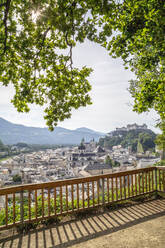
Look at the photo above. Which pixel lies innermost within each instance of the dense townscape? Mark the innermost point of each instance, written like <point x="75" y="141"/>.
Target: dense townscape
<point x="89" y="158"/>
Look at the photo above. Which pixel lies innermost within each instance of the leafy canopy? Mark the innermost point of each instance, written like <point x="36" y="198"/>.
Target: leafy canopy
<point x="37" y="38"/>
<point x="17" y="178"/>
<point x="160" y="140"/>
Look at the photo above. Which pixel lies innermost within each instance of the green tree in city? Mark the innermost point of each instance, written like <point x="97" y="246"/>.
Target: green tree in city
<point x="4" y="148"/>
<point x="139" y="147"/>
<point x="108" y="160"/>
<point x="147" y="141"/>
<point x="17" y="178"/>
<point x="1" y="146"/>
<point x="111" y="162"/>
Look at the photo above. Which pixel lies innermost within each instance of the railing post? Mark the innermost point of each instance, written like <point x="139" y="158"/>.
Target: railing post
<point x="21" y="208"/>
<point x="156" y="181"/>
<point x="163" y="181"/>
<point x="163" y="178"/>
<point x="103" y="197"/>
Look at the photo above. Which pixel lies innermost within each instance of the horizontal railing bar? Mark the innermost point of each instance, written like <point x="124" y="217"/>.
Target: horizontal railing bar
<point x="51" y="185"/>
<point x="160" y="167"/>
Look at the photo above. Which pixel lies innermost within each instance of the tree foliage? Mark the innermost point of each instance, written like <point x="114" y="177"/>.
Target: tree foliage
<point x="36" y="55"/>
<point x="139" y="147"/>
<point x="160" y="139"/>
<point x="141" y="44"/>
<point x="36" y="44"/>
<point x="1" y="144"/>
<point x="17" y="178"/>
<point x="108" y="160"/>
<point x="3" y="147"/>
<point x="111" y="162"/>
<point x="147" y="141"/>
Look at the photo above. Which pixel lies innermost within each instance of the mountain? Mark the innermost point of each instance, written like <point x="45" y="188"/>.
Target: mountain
<point x="11" y="133"/>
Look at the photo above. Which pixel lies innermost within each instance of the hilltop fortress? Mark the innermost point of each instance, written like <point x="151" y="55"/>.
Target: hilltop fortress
<point x="129" y="127"/>
<point x="132" y="127"/>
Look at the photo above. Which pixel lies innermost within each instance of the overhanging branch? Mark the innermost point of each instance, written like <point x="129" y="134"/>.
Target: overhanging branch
<point x="7" y="4"/>
<point x="2" y="4"/>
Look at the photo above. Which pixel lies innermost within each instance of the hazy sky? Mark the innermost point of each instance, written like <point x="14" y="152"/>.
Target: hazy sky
<point x="111" y="106"/>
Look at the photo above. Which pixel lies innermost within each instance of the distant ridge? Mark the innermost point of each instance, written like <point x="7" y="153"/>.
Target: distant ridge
<point x="11" y="133"/>
<point x="87" y="130"/>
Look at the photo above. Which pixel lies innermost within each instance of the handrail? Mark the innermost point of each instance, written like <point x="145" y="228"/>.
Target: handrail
<point x="35" y="202"/>
<point x="12" y="189"/>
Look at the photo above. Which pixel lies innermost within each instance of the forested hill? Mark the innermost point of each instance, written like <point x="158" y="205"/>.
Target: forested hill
<point x="141" y="140"/>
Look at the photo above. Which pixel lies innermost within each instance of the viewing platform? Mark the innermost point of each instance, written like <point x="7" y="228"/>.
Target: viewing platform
<point x="87" y="206"/>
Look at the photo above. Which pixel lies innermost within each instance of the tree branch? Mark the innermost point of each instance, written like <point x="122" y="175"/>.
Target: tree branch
<point x="2" y="4"/>
<point x="38" y="53"/>
<point x="44" y="36"/>
<point x="5" y="23"/>
<point x="73" y="6"/>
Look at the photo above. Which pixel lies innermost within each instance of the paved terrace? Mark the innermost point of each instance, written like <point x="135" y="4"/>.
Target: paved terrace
<point x="141" y="225"/>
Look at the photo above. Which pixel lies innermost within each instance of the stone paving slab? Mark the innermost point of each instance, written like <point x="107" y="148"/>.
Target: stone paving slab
<point x="137" y="226"/>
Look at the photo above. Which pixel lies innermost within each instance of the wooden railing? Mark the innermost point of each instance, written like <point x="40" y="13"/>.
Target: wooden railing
<point x="36" y="202"/>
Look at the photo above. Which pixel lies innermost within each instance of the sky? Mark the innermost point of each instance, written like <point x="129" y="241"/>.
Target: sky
<point x="112" y="103"/>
